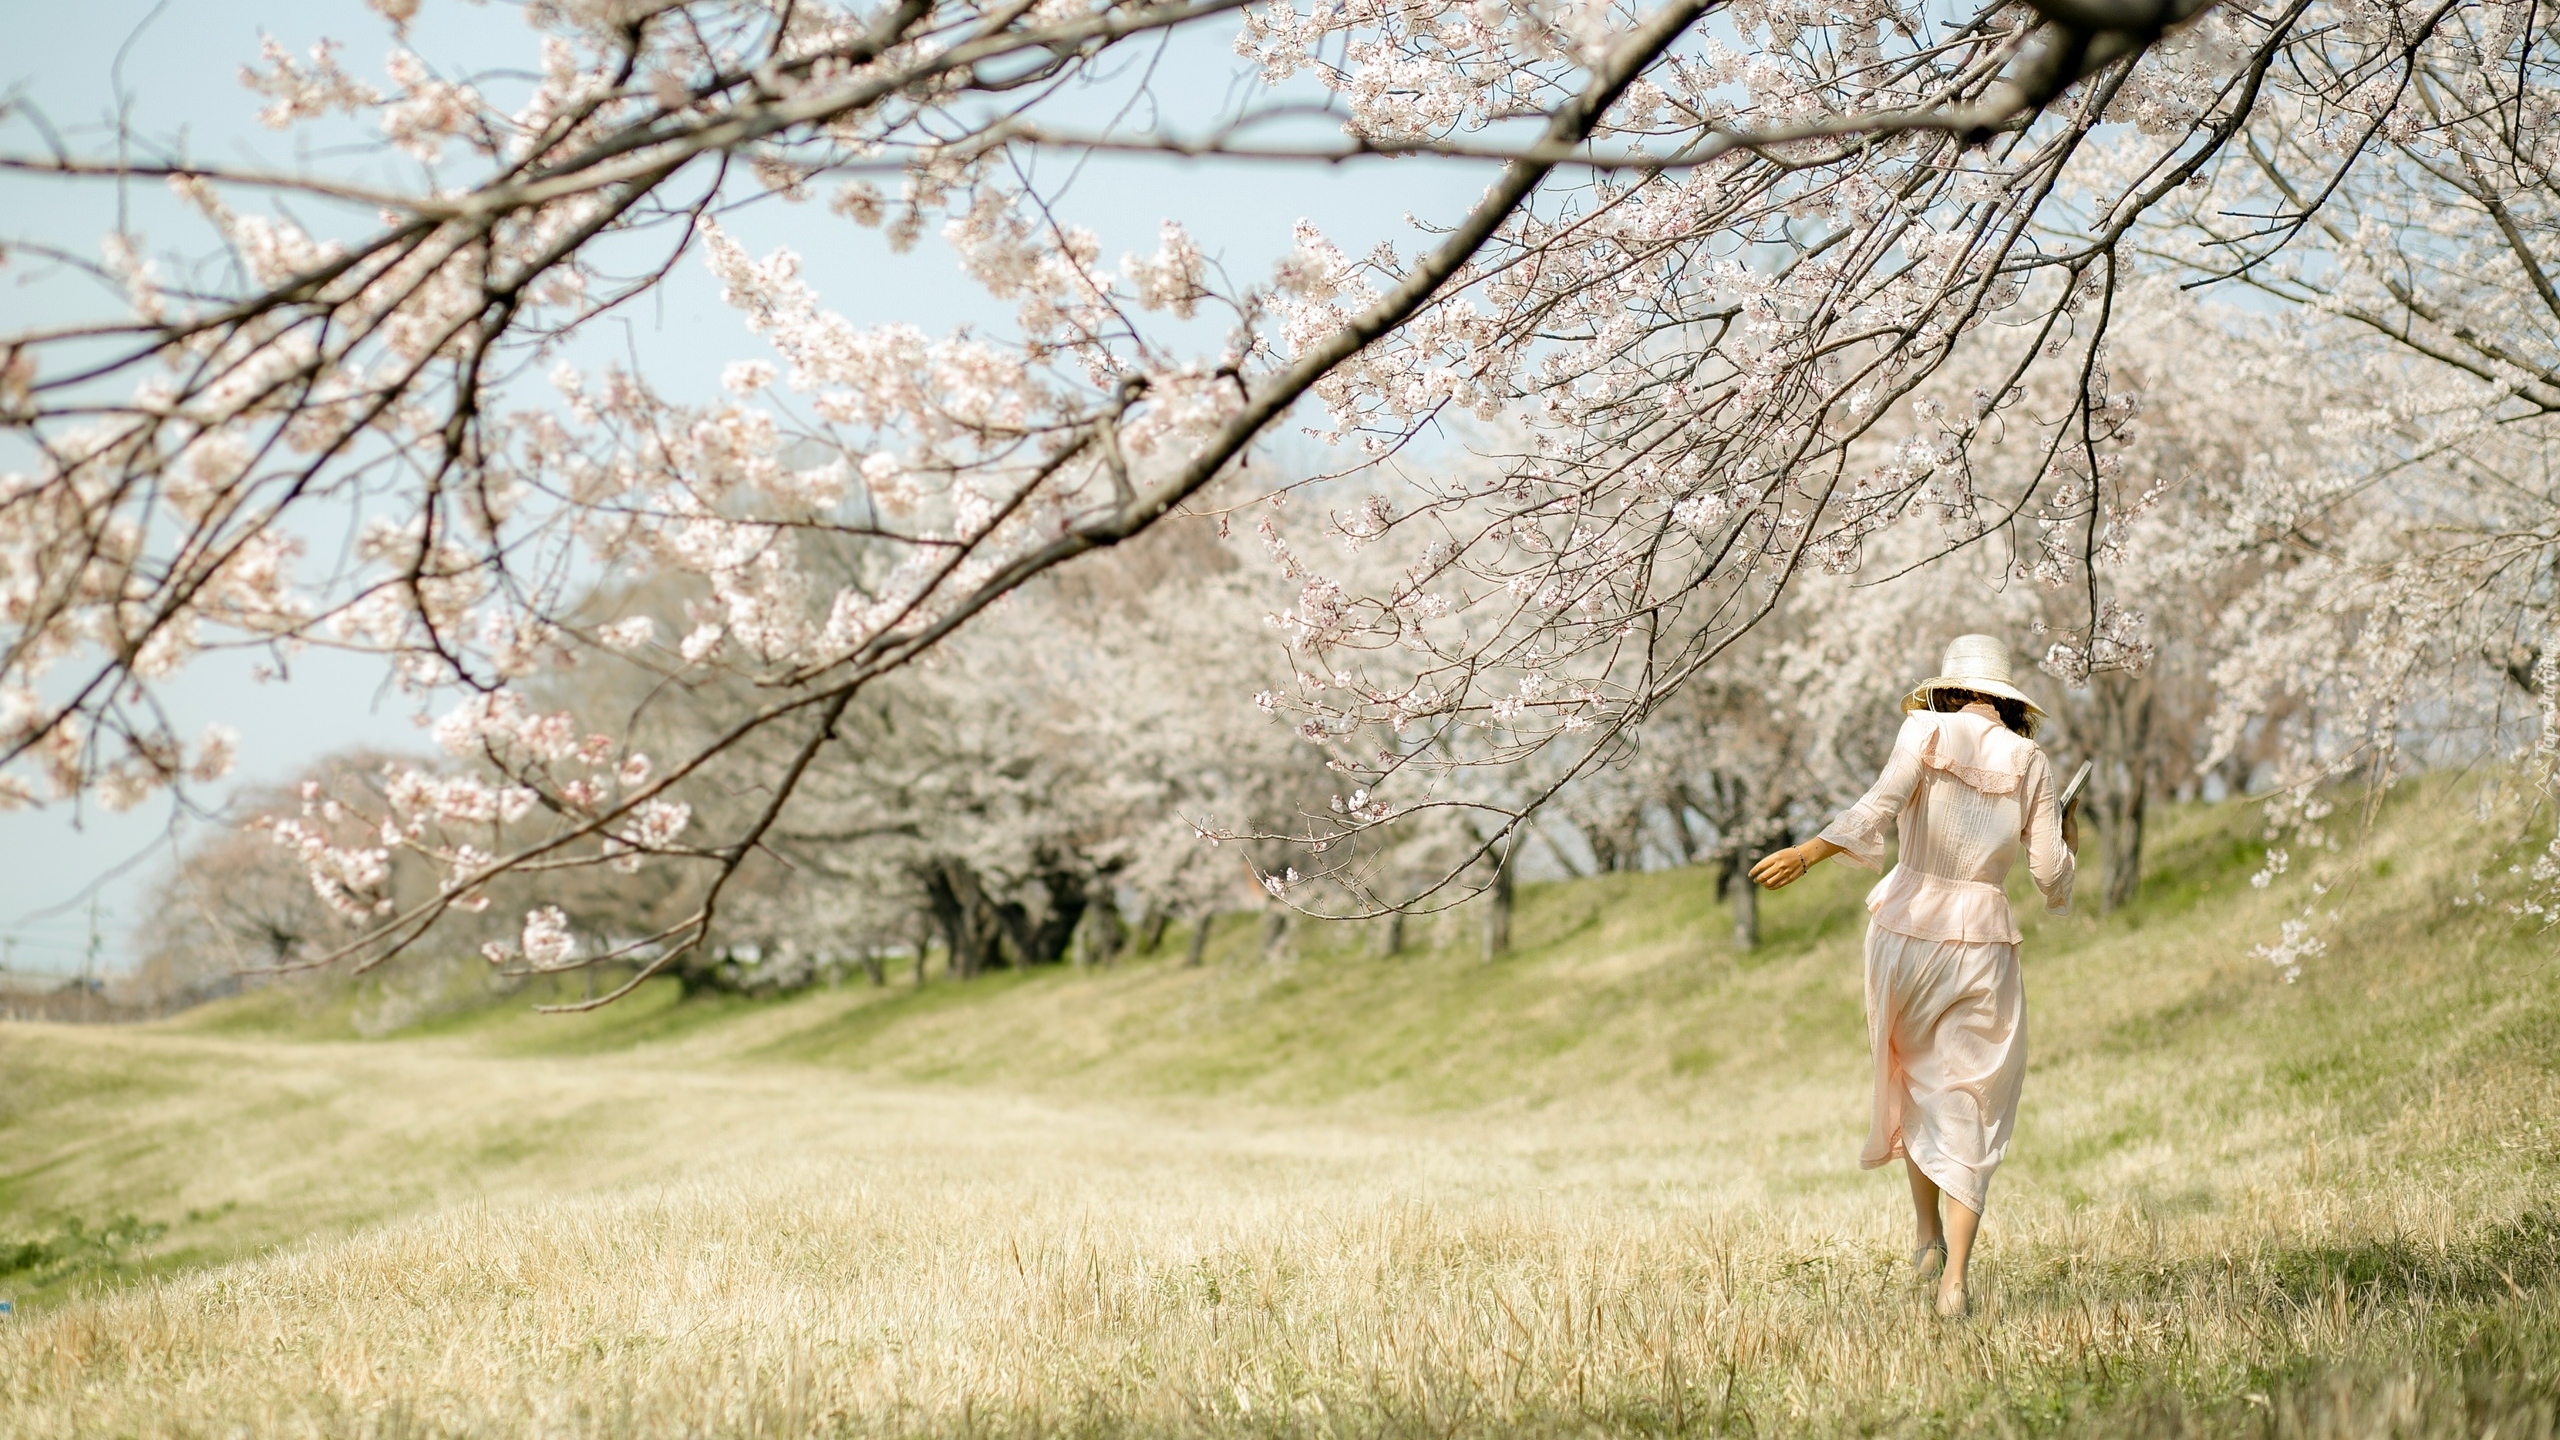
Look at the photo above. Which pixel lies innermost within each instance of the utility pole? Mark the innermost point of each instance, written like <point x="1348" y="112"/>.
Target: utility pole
<point x="89" y="965"/>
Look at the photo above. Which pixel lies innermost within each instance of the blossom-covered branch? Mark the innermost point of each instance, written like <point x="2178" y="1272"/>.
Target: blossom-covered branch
<point x="1719" y="270"/>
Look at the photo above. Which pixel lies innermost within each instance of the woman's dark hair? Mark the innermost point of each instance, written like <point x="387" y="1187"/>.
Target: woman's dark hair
<point x="2013" y="713"/>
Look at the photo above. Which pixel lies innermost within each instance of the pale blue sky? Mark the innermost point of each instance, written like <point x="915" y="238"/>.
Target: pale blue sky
<point x="180" y="74"/>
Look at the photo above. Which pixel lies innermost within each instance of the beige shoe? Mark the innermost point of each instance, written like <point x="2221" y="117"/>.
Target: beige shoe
<point x="1954" y="1304"/>
<point x="1929" y="1262"/>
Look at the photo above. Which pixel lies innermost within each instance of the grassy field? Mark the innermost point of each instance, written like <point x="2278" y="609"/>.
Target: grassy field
<point x="1603" y="1186"/>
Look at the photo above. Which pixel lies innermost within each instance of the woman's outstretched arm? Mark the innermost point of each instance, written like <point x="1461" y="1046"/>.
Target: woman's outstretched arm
<point x="1861" y="830"/>
<point x="1787" y="866"/>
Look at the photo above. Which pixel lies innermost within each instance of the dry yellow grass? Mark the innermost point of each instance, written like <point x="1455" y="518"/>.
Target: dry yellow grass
<point x="2236" y="1208"/>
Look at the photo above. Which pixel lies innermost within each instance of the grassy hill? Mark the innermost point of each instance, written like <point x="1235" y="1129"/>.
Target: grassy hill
<point x="1603" y="1185"/>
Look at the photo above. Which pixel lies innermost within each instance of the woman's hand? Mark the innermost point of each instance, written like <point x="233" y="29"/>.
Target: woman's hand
<point x="1777" y="871"/>
<point x="1786" y="867"/>
<point x="2071" y="828"/>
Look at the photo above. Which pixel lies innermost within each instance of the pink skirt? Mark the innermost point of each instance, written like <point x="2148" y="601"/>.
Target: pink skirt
<point x="1947" y="1020"/>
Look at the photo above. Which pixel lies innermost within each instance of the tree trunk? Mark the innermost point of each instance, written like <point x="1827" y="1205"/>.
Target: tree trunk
<point x="924" y="944"/>
<point x="1199" y="938"/>
<point x="1052" y="935"/>
<point x="704" y="971"/>
<point x="1564" y="853"/>
<point x="1746" y="904"/>
<point x="1696" y="837"/>
<point x="874" y="966"/>
<point x="1626" y="843"/>
<point x="2119" y="788"/>
<point x="1603" y="840"/>
<point x="1151" y="930"/>
<point x="1391" y="934"/>
<point x="1497" y="909"/>
<point x="971" y="924"/>
<point x="1275" y="932"/>
<point x="1098" y="935"/>
<point x="1046" y="942"/>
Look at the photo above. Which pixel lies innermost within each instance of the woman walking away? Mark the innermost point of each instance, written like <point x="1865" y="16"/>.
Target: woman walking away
<point x="1966" y="788"/>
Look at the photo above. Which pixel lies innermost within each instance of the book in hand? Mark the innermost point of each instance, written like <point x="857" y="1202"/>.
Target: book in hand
<point x="2071" y="792"/>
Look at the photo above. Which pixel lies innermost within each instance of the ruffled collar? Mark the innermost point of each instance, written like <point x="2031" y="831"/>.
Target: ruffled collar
<point x="1976" y="749"/>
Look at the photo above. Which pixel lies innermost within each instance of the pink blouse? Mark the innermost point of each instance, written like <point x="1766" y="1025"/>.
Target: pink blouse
<point x="1964" y="792"/>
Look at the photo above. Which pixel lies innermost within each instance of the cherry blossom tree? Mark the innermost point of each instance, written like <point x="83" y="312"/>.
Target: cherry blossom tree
<point x="1674" y="486"/>
<point x="1073" y="748"/>
<point x="2402" y="617"/>
<point x="1722" y="253"/>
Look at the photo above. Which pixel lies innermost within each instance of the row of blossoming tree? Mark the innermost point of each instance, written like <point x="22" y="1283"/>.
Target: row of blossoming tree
<point x="1768" y="314"/>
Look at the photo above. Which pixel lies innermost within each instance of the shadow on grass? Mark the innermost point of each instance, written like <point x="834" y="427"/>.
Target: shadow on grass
<point x="2522" y="1255"/>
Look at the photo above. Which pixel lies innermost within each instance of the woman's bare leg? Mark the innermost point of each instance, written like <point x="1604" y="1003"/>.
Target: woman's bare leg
<point x="1924" y="1205"/>
<point x="1929" y="1257"/>
<point x="1961" y="1225"/>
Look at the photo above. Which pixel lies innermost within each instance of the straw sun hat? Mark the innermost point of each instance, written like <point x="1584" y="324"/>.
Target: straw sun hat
<point x="1979" y="663"/>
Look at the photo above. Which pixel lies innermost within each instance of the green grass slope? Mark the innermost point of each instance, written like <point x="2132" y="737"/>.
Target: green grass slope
<point x="1626" y="985"/>
<point x="2365" y="1158"/>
